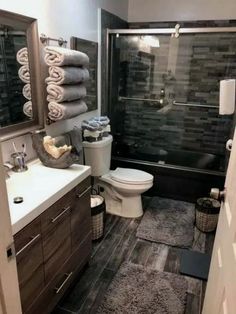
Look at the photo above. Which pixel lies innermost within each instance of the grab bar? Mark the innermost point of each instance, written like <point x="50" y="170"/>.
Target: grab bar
<point x="176" y="103"/>
<point x="138" y="99"/>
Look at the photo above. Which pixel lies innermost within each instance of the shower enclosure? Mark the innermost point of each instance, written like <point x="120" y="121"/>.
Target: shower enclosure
<point x="163" y="99"/>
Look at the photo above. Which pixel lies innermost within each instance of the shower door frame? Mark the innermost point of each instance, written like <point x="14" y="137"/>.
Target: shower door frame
<point x="160" y="31"/>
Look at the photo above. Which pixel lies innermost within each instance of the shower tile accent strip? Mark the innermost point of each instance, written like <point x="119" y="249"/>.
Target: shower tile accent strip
<point x="202" y="60"/>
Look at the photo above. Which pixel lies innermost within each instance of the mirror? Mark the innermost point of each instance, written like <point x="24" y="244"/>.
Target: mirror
<point x="20" y="86"/>
<point x="91" y="49"/>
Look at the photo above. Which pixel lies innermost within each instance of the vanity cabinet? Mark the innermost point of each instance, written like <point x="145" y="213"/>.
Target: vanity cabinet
<point x="29" y="257"/>
<point x="52" y="249"/>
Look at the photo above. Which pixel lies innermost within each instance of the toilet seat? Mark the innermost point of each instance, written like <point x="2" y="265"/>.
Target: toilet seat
<point x="131" y="176"/>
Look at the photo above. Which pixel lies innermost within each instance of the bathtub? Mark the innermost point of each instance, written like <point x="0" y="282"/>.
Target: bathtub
<point x="181" y="175"/>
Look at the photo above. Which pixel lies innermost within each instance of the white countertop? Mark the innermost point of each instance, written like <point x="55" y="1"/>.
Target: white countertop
<point x="40" y="187"/>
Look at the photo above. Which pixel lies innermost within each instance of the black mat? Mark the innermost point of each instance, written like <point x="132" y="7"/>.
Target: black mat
<point x="195" y="264"/>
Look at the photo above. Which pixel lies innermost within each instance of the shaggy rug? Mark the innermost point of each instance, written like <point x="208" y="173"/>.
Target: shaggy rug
<point x="168" y="221"/>
<point x="139" y="290"/>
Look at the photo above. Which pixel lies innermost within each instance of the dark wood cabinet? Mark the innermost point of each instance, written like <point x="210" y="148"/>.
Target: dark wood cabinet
<point x="52" y="249"/>
<point x="80" y="224"/>
<point x="29" y="257"/>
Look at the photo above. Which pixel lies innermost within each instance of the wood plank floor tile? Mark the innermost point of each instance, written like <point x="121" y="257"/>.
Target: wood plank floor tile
<point x="192" y="304"/>
<point x="77" y="296"/>
<point x="59" y="310"/>
<point x="141" y="252"/>
<point x="199" y="241"/>
<point x="125" y="247"/>
<point x="172" y="264"/>
<point x="210" y="238"/>
<point x="157" y="257"/>
<point x="110" y="222"/>
<point x="96" y="294"/>
<point x="194" y="286"/>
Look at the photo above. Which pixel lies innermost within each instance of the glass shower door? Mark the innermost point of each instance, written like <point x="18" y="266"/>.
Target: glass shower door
<point x="164" y="97"/>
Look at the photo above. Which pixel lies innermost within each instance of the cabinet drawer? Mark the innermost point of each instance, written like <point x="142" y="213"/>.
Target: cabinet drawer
<point x="57" y="212"/>
<point x="56" y="247"/>
<point x="27" y="237"/>
<point x="29" y="258"/>
<point x="65" y="276"/>
<point x="83" y="187"/>
<point x="80" y="219"/>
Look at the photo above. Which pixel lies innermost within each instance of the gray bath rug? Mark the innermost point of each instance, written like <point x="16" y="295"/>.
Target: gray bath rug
<point x="139" y="290"/>
<point x="168" y="221"/>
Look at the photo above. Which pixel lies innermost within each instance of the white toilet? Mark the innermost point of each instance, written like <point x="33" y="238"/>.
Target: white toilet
<point x="122" y="187"/>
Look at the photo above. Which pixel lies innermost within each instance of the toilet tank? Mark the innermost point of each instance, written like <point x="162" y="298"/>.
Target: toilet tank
<point x="98" y="156"/>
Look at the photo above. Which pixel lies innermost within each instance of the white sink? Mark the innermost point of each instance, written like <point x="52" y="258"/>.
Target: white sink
<point x="40" y="187"/>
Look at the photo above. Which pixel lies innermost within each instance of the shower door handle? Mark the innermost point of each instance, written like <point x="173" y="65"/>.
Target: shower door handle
<point x="229" y="144"/>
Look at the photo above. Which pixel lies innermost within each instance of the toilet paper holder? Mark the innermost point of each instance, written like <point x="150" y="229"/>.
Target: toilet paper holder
<point x="217" y="194"/>
<point x="229" y="144"/>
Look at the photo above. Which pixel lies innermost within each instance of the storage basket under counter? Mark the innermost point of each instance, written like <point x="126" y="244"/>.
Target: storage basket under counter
<point x="207" y="214"/>
<point x="98" y="210"/>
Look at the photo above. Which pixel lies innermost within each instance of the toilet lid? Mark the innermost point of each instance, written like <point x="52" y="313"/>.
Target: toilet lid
<point x="131" y="176"/>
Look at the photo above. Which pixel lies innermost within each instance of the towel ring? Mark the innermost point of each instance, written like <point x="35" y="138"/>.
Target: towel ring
<point x="45" y="40"/>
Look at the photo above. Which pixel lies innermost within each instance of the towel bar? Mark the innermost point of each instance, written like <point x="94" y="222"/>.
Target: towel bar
<point x="175" y="103"/>
<point x="45" y="40"/>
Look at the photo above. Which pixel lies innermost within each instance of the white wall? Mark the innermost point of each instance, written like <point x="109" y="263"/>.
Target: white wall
<point x="63" y="18"/>
<point x="172" y="10"/>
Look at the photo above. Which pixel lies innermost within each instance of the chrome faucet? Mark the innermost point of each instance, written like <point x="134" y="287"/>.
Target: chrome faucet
<point x="7" y="167"/>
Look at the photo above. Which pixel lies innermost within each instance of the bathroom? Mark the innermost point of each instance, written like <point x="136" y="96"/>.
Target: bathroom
<point x="169" y="127"/>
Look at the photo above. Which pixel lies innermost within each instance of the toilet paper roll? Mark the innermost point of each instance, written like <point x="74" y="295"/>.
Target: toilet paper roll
<point x="229" y="144"/>
<point x="227" y="97"/>
<point x="215" y="193"/>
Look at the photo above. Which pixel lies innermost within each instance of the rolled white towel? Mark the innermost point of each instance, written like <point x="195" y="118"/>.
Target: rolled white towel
<point x="67" y="75"/>
<point x="27" y="91"/>
<point x="65" y="92"/>
<point x="24" y="74"/>
<point x="66" y="110"/>
<point x="60" y="56"/>
<point x="22" y="56"/>
<point x="27" y="109"/>
<point x="95" y="134"/>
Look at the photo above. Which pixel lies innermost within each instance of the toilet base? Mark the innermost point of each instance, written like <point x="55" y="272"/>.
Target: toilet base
<point x="128" y="207"/>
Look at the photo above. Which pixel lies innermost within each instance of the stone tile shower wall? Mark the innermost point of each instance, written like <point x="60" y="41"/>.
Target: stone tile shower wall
<point x="189" y="71"/>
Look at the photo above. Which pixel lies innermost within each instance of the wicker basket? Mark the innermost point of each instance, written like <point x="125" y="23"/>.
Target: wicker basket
<point x="207" y="213"/>
<point x="98" y="209"/>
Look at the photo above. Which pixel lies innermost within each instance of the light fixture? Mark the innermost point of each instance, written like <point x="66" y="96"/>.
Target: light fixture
<point x="151" y="41"/>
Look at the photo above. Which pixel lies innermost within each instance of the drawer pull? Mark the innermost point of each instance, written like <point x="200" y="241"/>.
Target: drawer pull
<point x="28" y="244"/>
<point x="62" y="213"/>
<point x="84" y="192"/>
<point x="57" y="290"/>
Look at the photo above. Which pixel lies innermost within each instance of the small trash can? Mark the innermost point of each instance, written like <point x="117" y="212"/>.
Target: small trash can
<point x="207" y="213"/>
<point x="98" y="210"/>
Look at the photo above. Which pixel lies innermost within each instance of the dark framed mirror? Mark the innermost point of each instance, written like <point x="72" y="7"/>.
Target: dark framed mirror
<point x="21" y="99"/>
<point x="91" y="49"/>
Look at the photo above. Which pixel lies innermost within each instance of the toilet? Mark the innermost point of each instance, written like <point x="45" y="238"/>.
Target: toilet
<point x="122" y="187"/>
